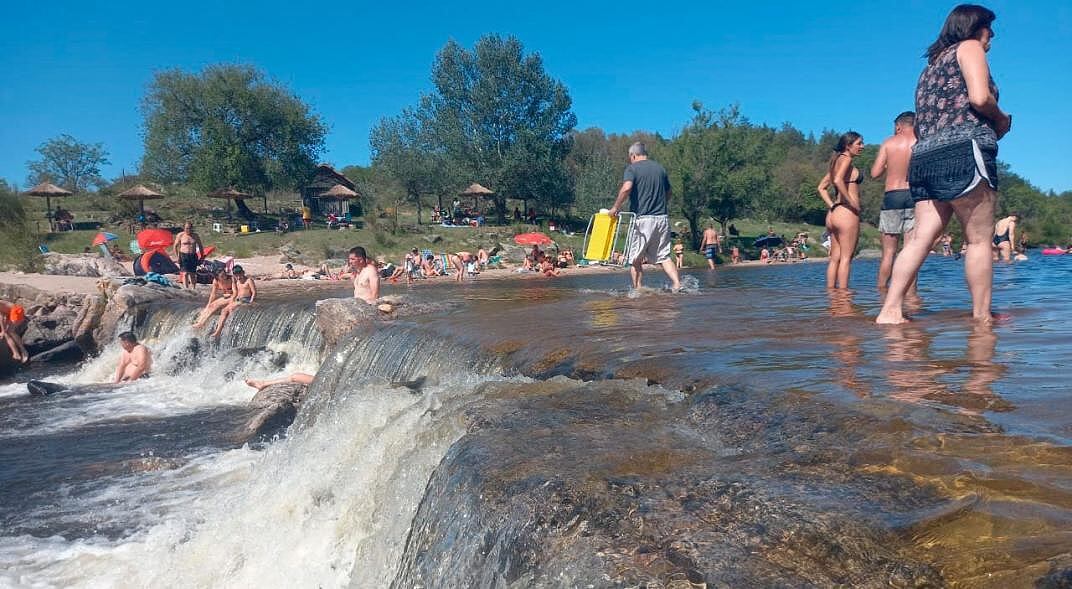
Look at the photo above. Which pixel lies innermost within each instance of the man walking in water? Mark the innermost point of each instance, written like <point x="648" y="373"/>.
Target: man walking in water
<point x="135" y="361"/>
<point x="188" y="248"/>
<point x="709" y="245"/>
<point x="898" y="215"/>
<point x="647" y="187"/>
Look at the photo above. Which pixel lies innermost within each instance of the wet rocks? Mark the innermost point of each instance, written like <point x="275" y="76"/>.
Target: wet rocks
<point x="276" y="406"/>
<point x="615" y="483"/>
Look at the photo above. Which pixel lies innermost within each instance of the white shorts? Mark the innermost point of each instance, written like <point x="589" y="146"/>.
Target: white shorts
<point x="649" y="240"/>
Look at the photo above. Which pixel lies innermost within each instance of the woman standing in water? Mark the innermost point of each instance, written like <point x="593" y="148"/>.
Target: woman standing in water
<point x="843" y="216"/>
<point x="954" y="163"/>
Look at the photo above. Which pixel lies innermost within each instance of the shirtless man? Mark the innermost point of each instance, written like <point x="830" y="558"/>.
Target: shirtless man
<point x="898" y="215"/>
<point x="366" y="278"/>
<point x="219" y="297"/>
<point x="1005" y="236"/>
<point x="709" y="245"/>
<point x="135" y="361"/>
<point x="188" y="248"/>
<point x="245" y="291"/>
<point x="12" y="317"/>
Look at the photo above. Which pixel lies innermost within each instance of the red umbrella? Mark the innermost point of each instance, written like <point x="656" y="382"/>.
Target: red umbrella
<point x="104" y="237"/>
<point x="534" y="238"/>
<point x="155" y="239"/>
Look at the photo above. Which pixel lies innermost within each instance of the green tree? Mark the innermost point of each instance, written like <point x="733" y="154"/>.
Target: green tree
<point x="596" y="173"/>
<point x="501" y="120"/>
<point x="228" y="125"/>
<point x="69" y="163"/>
<point x="404" y="149"/>
<point x="720" y="163"/>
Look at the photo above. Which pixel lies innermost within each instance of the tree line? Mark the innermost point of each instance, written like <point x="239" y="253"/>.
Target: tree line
<point x="493" y="115"/>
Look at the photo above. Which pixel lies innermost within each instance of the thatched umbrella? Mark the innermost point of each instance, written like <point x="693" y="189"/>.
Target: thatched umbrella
<point x="48" y="191"/>
<point x="141" y="194"/>
<point x="477" y="190"/>
<point x="338" y="192"/>
<point x="230" y="193"/>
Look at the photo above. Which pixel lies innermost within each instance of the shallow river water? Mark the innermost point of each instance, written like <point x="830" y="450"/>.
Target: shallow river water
<point x="147" y="487"/>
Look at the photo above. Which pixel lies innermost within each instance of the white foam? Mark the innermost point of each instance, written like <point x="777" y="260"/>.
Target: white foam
<point x="329" y="506"/>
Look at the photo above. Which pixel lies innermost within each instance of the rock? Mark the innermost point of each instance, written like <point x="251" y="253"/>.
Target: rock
<point x="65" y="352"/>
<point x="83" y="265"/>
<point x="433" y="238"/>
<point x="513" y="252"/>
<point x="276" y="406"/>
<point x="338" y="317"/>
<point x="616" y="484"/>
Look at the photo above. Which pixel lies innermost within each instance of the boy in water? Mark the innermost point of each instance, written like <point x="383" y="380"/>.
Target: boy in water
<point x="898" y="208"/>
<point x="245" y="291"/>
<point x="135" y="361"/>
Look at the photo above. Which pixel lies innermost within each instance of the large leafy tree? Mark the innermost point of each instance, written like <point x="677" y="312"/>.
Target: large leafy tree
<point x="228" y="125"/>
<point x="501" y="120"/>
<point x="69" y="163"/>
<point x="404" y="148"/>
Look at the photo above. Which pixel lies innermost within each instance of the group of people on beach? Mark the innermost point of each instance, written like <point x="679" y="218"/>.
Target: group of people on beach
<point x="941" y="161"/>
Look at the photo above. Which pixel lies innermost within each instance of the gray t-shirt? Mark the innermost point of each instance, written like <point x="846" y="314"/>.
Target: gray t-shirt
<point x="651" y="186"/>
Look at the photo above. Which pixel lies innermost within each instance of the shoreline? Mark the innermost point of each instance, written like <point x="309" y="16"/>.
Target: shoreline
<point x="260" y="266"/>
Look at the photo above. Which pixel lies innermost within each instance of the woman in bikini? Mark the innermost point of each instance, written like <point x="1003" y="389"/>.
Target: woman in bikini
<point x="219" y="297"/>
<point x="843" y="216"/>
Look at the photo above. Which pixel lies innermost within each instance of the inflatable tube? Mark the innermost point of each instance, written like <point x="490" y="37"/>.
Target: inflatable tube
<point x="1054" y="251"/>
<point x="154" y="261"/>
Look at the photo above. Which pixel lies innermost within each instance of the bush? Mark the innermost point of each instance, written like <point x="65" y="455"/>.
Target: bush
<point x="18" y="235"/>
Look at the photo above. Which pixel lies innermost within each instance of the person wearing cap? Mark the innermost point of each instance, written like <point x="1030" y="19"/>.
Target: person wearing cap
<point x="245" y="291"/>
<point x="12" y="317"/>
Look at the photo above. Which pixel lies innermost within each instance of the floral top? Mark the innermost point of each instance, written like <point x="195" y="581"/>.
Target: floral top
<point x="942" y="107"/>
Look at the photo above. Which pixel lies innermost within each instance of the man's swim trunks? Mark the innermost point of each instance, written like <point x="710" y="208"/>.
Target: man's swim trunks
<point x="650" y="239"/>
<point x="188" y="262"/>
<point x="898" y="214"/>
<point x="709" y="252"/>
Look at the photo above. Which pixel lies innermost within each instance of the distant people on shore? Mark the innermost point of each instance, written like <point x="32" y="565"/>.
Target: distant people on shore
<point x="135" y="361"/>
<point x="188" y="251"/>
<point x="12" y="319"/>
<point x="958" y="124"/>
<point x="679" y="254"/>
<point x="898" y="215"/>
<point x="843" y="213"/>
<point x="1004" y="237"/>
<point x="647" y="187"/>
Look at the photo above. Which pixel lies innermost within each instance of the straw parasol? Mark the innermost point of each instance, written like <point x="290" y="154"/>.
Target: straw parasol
<point x="338" y="192"/>
<point x="477" y="190"/>
<point x="141" y="194"/>
<point x="48" y="191"/>
<point x="230" y="193"/>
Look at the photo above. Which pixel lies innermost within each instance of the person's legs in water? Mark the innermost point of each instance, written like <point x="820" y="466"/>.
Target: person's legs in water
<point x="848" y="235"/>
<point x="890" y="241"/>
<point x="210" y="310"/>
<point x="295" y="378"/>
<point x="835" y="257"/>
<point x="636" y="271"/>
<point x="931" y="218"/>
<point x="671" y="270"/>
<point x="975" y="211"/>
<point x="223" y="318"/>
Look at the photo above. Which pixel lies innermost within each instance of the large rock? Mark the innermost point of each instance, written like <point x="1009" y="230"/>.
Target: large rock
<point x="126" y="305"/>
<point x="614" y="483"/>
<point x="338" y="317"/>
<point x="83" y="265"/>
<point x="276" y="406"/>
<point x="51" y="321"/>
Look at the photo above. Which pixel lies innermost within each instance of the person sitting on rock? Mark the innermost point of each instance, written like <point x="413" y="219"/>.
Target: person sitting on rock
<point x="219" y="297"/>
<point x="245" y="293"/>
<point x="13" y="317"/>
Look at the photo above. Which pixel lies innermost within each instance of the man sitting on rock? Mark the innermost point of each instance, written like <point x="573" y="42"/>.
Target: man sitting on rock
<point x="13" y="317"/>
<point x="135" y="361"/>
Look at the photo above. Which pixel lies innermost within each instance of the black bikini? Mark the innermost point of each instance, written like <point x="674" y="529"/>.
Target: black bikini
<point x="859" y="180"/>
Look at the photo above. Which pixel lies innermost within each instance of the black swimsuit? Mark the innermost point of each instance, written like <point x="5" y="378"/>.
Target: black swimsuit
<point x="859" y="180"/>
<point x="999" y="239"/>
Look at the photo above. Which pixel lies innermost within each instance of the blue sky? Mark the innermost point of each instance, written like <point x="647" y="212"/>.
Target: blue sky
<point x="82" y="67"/>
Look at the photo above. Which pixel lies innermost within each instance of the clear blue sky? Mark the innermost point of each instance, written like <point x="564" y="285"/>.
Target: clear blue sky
<point x="82" y="67"/>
